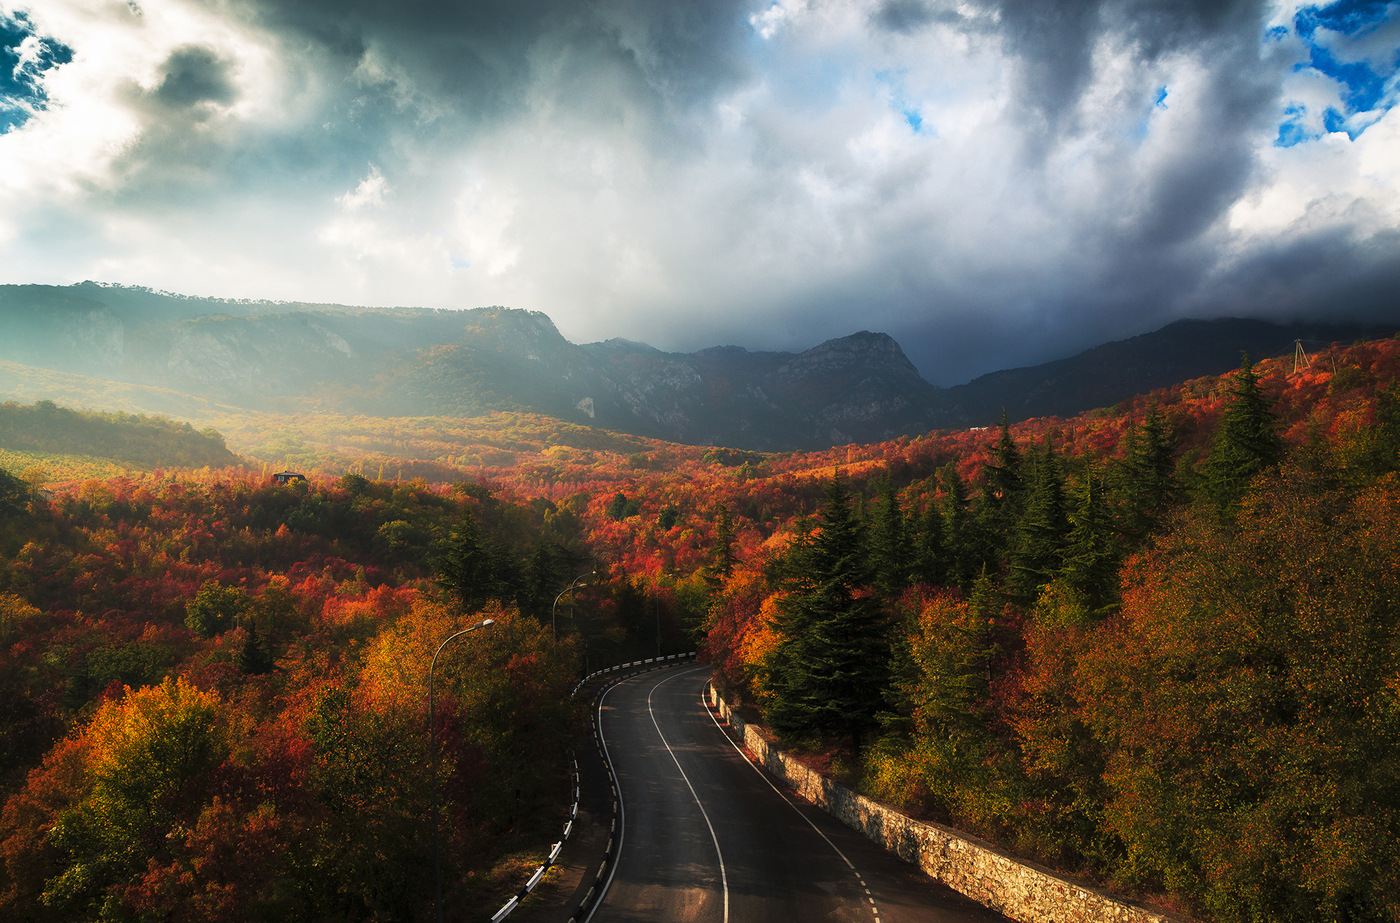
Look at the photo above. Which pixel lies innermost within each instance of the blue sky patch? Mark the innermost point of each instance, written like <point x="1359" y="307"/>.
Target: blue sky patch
<point x="893" y="81"/>
<point x="1363" y="85"/>
<point x="1345" y="16"/>
<point x="21" y="85"/>
<point x="1293" y="131"/>
<point x="1333" y="120"/>
<point x="1363" y="89"/>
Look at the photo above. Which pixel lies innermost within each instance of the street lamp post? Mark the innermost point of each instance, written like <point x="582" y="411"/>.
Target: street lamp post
<point x="432" y="737"/>
<point x="555" y="608"/>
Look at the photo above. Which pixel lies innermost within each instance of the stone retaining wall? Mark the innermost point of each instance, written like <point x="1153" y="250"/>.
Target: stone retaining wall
<point x="1025" y="893"/>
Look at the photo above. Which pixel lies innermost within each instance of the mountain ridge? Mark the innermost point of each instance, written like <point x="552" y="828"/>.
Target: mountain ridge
<point x="859" y="388"/>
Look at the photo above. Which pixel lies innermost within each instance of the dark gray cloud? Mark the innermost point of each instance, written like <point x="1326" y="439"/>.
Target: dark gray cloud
<point x="909" y="16"/>
<point x="195" y="75"/>
<point x="1055" y="42"/>
<point x="477" y="57"/>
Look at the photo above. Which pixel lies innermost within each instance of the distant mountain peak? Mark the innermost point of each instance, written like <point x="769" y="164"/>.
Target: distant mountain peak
<point x="863" y="350"/>
<point x="624" y="343"/>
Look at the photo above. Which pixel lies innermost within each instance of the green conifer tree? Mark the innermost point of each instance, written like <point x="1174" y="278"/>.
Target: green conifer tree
<point x="1145" y="476"/>
<point x="722" y="559"/>
<point x="931" y="558"/>
<point x="473" y="569"/>
<point x="1091" y="558"/>
<point x="890" y="552"/>
<point x="15" y="494"/>
<point x="254" y="659"/>
<point x="970" y="546"/>
<point x="831" y="667"/>
<point x="1002" y="482"/>
<point x="1000" y="500"/>
<point x="1378" y="450"/>
<point x="955" y="658"/>
<point x="1037" y="551"/>
<point x="1246" y="442"/>
<point x="541" y="577"/>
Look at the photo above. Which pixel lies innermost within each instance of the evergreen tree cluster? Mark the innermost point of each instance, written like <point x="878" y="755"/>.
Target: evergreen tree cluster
<point x="476" y="567"/>
<point x="1033" y="523"/>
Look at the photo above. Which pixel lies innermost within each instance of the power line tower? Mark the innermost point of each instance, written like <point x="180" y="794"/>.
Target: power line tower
<point x="1300" y="358"/>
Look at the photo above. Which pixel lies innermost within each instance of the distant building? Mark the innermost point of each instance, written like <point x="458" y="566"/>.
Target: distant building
<point x="287" y="477"/>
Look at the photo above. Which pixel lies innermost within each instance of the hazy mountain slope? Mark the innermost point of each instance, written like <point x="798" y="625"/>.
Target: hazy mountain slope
<point x="287" y="358"/>
<point x="60" y="329"/>
<point x="135" y="441"/>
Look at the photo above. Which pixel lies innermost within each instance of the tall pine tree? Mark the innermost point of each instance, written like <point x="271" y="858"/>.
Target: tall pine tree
<point x="1145" y="476"/>
<point x="474" y="569"/>
<point x="1246" y="442"/>
<point x="1002" y="482"/>
<point x="831" y="666"/>
<point x="722" y="558"/>
<point x="931" y="558"/>
<point x="1037" y="550"/>
<point x="969" y="544"/>
<point x="1091" y="557"/>
<point x="890" y="557"/>
<point x="999" y="504"/>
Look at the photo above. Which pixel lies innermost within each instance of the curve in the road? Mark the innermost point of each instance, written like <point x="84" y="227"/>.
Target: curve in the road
<point x="685" y="803"/>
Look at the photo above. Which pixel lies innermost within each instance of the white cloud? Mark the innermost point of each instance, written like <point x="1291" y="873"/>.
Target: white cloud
<point x="371" y="192"/>
<point x="767" y="22"/>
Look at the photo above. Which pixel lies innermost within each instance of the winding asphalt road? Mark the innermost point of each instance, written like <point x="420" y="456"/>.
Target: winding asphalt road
<point x="707" y="838"/>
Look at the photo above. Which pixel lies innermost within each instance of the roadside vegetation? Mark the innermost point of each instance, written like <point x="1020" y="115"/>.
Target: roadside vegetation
<point x="1170" y="664"/>
<point x="1153" y="645"/>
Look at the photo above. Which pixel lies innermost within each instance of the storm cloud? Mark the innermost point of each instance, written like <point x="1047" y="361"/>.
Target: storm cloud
<point x="992" y="182"/>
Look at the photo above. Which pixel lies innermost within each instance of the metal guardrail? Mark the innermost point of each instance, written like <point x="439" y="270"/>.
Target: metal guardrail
<point x="688" y="655"/>
<point x="553" y="855"/>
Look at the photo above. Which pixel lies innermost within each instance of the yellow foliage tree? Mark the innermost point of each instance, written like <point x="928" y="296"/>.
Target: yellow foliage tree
<point x="150" y="751"/>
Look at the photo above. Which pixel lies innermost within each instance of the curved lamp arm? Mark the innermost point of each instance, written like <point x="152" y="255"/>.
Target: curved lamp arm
<point x="555" y="608"/>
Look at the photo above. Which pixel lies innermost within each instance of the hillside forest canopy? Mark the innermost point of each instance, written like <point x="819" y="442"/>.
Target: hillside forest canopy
<point x="1156" y="646"/>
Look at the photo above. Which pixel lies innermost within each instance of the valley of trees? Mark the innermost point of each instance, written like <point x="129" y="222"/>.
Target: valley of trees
<point x="1157" y="646"/>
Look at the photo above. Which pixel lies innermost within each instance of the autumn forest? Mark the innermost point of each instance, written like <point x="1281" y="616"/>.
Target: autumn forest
<point x="1155" y="646"/>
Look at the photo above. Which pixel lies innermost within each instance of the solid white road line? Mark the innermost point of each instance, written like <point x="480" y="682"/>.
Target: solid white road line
<point x="723" y="877"/>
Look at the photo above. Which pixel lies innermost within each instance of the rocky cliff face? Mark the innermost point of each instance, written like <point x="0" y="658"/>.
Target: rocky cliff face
<point x="264" y="355"/>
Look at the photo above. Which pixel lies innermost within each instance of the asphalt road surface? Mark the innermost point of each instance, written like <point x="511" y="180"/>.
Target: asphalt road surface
<point x="707" y="838"/>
